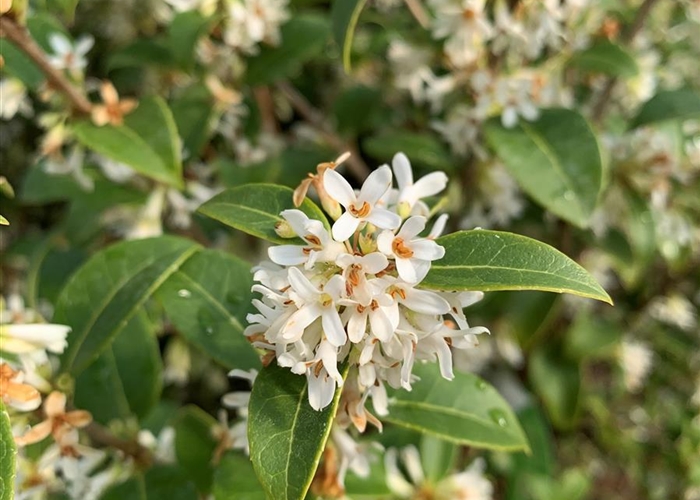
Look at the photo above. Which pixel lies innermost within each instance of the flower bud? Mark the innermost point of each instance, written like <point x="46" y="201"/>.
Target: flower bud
<point x="367" y="243"/>
<point x="284" y="230"/>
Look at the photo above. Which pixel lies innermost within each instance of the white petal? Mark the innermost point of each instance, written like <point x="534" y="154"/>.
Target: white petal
<point x="467" y="299"/>
<point x="438" y="227"/>
<point x="60" y="44"/>
<point x="297" y="219"/>
<point x="381" y="325"/>
<point x="332" y="326"/>
<point x="411" y="459"/>
<point x="345" y="227"/>
<point x="374" y="262"/>
<point x="384" y="242"/>
<point x="412" y="228"/>
<point x="422" y="267"/>
<point x="509" y="117"/>
<point x="299" y="321"/>
<point x="376" y="184"/>
<point x="287" y="255"/>
<point x="427" y="250"/>
<point x="329" y="356"/>
<point x="302" y="285"/>
<point x="425" y="302"/>
<point x="84" y="44"/>
<point x="406" y="270"/>
<point x="430" y="185"/>
<point x="444" y="356"/>
<point x="383" y="219"/>
<point x="402" y="171"/>
<point x="321" y="390"/>
<point x="338" y="188"/>
<point x="357" y="327"/>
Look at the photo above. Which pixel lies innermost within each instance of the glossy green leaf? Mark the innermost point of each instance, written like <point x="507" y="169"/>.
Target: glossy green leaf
<point x="106" y="292"/>
<point x="668" y="105"/>
<point x="286" y="435"/>
<point x="8" y="449"/>
<point x="126" y="379"/>
<point x="207" y="300"/>
<point x="557" y="381"/>
<point x="607" y="58"/>
<point x="195" y="445"/>
<point x="303" y="38"/>
<point x="424" y="150"/>
<point x="494" y="260"/>
<point x="437" y="457"/>
<point x="147" y="142"/>
<point x="255" y="209"/>
<point x="555" y="160"/>
<point x="465" y="410"/>
<point x="235" y="479"/>
<point x="20" y="66"/>
<point x="183" y="33"/>
<point x="344" y="17"/>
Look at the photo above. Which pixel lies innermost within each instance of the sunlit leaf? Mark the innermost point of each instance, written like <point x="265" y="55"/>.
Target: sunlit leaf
<point x="493" y="260"/>
<point x="287" y="436"/>
<point x="555" y="160"/>
<point x="255" y="209"/>
<point x="466" y="410"/>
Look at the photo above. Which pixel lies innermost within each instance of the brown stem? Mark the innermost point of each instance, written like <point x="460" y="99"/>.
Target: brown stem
<point x="357" y="167"/>
<point x="100" y="435"/>
<point x="263" y="99"/>
<point x="418" y="12"/>
<point x="628" y="36"/>
<point x="21" y="38"/>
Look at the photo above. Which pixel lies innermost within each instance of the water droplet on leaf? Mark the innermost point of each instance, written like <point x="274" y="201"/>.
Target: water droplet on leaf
<point x="499" y="417"/>
<point x="481" y="385"/>
<point x="185" y="294"/>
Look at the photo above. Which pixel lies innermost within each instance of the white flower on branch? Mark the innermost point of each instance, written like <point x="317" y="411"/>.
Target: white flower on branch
<point x="68" y="56"/>
<point x="353" y="297"/>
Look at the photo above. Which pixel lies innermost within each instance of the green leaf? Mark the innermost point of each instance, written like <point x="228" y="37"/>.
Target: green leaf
<point x="286" y="435"/>
<point x="185" y="30"/>
<point x="147" y="142"/>
<point x="207" y="300"/>
<point x="494" y="260"/>
<point x="557" y="381"/>
<point x="20" y="66"/>
<point x="303" y="38"/>
<point x="668" y="105"/>
<point x="126" y="379"/>
<point x="142" y="52"/>
<point x="465" y="411"/>
<point x="8" y="449"/>
<point x="255" y="209"/>
<point x="437" y="457"/>
<point x="344" y="17"/>
<point x="195" y="445"/>
<point x="193" y="111"/>
<point x="160" y="482"/>
<point x="555" y="160"/>
<point x="235" y="479"/>
<point x="607" y="58"/>
<point x="357" y="109"/>
<point x="591" y="336"/>
<point x="423" y="149"/>
<point x="106" y="292"/>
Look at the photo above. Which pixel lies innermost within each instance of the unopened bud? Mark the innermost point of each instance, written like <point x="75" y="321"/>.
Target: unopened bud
<point x="404" y="209"/>
<point x="367" y="244"/>
<point x="331" y="207"/>
<point x="284" y="230"/>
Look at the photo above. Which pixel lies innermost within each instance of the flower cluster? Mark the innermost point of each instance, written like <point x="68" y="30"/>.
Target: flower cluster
<point x="350" y="294"/>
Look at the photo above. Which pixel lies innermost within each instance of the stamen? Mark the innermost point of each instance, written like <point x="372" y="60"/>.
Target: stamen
<point x="400" y="249"/>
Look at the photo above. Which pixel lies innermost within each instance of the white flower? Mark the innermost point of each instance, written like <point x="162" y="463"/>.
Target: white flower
<point x="360" y="208"/>
<point x="13" y="98"/>
<point x="251" y="22"/>
<point x="674" y="310"/>
<point x="410" y="194"/>
<point x="636" y="359"/>
<point x="513" y="94"/>
<point x="320" y="247"/>
<point x="68" y="56"/>
<point x="464" y="24"/>
<point x="72" y="165"/>
<point x="148" y="222"/>
<point x="411" y="254"/>
<point x="469" y="484"/>
<point x="327" y="302"/>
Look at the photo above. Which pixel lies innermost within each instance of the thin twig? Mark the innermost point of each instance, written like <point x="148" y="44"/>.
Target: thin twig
<point x="21" y="38"/>
<point x="418" y="12"/>
<point x="302" y="106"/>
<point x="263" y="98"/>
<point x="627" y="38"/>
<point x="102" y="436"/>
